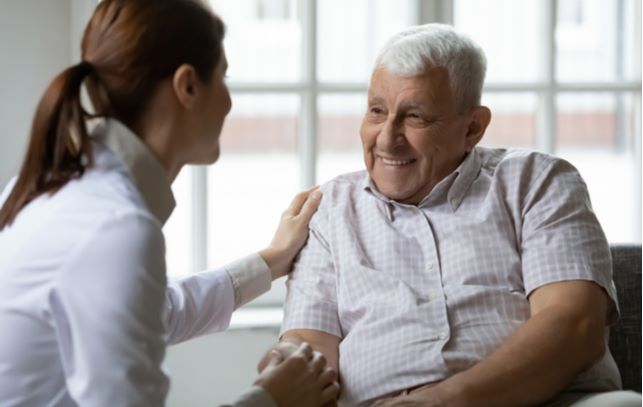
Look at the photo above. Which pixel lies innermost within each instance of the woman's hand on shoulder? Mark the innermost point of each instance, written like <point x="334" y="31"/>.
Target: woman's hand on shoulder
<point x="291" y="233"/>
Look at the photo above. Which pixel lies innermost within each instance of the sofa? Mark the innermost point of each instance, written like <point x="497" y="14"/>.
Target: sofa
<point x="625" y="335"/>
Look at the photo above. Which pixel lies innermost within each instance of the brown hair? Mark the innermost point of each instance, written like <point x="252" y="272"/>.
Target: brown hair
<point x="128" y="48"/>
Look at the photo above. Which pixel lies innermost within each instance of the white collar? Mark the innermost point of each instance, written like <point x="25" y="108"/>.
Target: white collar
<point x="146" y="170"/>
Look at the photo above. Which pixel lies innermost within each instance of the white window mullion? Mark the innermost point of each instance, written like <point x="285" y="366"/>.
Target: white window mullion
<point x="547" y="110"/>
<point x="434" y="11"/>
<point x="308" y="126"/>
<point x="638" y="179"/>
<point x="199" y="218"/>
<point x="621" y="136"/>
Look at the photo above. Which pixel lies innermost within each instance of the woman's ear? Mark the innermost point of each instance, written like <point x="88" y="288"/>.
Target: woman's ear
<point x="480" y="118"/>
<point x="185" y="85"/>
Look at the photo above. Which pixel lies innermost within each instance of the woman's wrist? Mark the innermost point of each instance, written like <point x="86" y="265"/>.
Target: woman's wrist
<point x="278" y="261"/>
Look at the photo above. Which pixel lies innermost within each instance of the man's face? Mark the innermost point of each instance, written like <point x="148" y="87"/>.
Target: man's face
<point x="412" y="134"/>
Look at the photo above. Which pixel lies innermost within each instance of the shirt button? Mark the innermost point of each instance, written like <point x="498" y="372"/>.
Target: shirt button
<point x="442" y="336"/>
<point x="429" y="265"/>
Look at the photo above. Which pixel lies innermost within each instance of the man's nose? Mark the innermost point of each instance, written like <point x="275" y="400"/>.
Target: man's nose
<point x="391" y="135"/>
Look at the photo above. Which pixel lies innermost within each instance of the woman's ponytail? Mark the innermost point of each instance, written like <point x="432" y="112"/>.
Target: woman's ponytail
<point x="132" y="47"/>
<point x="59" y="149"/>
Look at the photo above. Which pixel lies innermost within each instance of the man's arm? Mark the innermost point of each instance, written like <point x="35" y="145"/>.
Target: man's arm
<point x="322" y="342"/>
<point x="564" y="336"/>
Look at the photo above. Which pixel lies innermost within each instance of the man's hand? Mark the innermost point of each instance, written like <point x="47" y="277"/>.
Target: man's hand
<point x="299" y="379"/>
<point x="322" y="342"/>
<point x="281" y="349"/>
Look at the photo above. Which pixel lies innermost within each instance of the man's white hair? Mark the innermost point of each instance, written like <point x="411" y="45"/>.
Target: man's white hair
<point x="412" y="51"/>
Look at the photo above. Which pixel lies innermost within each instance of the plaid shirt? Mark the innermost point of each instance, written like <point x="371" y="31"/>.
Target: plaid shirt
<point x="420" y="292"/>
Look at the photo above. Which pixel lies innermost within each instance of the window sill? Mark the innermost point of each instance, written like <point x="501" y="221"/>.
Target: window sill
<point x="257" y="318"/>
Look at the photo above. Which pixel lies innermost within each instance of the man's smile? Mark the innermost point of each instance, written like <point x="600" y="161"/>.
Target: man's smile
<point x="396" y="162"/>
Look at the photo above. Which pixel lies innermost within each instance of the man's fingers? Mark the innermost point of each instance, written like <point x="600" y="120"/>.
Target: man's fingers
<point x="298" y="201"/>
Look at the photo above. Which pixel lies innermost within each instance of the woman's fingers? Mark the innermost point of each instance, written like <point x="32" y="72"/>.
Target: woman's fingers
<point x="327" y="376"/>
<point x="311" y="205"/>
<point x="319" y="362"/>
<point x="306" y="351"/>
<point x="299" y="200"/>
<point x="275" y="358"/>
<point x="330" y="393"/>
<point x="329" y="385"/>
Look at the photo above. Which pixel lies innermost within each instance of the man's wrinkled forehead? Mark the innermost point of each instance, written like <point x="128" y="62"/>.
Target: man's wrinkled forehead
<point x="430" y="86"/>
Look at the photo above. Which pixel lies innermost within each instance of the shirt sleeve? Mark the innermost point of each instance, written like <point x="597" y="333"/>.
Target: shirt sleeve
<point x="256" y="396"/>
<point x="561" y="237"/>
<point x="107" y="305"/>
<point x="311" y="302"/>
<point x="203" y="303"/>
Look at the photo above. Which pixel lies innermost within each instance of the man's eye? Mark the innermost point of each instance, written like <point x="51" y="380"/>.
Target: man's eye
<point x="415" y="119"/>
<point x="376" y="110"/>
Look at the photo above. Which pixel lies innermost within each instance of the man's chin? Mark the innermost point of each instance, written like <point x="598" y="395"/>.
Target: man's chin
<point x="396" y="194"/>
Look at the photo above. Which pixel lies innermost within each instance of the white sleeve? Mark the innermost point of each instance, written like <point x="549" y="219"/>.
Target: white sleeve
<point x="107" y="313"/>
<point x="203" y="303"/>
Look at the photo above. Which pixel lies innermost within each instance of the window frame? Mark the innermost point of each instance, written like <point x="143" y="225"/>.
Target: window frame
<point x="309" y="88"/>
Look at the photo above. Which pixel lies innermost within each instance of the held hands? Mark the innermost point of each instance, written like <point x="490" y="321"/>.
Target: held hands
<point x="291" y="233"/>
<point x="298" y="376"/>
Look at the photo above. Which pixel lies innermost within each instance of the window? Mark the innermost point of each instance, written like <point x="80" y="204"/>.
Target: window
<point x="564" y="76"/>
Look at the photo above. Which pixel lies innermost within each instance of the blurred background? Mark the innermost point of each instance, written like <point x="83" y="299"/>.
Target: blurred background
<point x="564" y="77"/>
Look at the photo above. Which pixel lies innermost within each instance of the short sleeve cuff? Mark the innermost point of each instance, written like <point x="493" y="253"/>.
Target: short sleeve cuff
<point x="250" y="278"/>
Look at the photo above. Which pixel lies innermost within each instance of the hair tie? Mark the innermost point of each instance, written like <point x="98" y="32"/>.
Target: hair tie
<point x="86" y="66"/>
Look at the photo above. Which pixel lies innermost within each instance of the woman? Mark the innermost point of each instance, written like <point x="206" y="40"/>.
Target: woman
<point x="85" y="309"/>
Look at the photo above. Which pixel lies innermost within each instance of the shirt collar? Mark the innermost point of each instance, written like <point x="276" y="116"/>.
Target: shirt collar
<point x="457" y="183"/>
<point x="147" y="172"/>
<point x="466" y="172"/>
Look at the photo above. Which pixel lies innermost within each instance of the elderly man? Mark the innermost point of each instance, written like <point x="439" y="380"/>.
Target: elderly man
<point x="450" y="274"/>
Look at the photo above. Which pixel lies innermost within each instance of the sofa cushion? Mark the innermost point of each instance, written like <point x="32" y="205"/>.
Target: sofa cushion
<point x="625" y="335"/>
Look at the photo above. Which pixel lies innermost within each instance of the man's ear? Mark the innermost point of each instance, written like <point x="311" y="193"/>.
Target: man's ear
<point x="480" y="118"/>
<point x="185" y="85"/>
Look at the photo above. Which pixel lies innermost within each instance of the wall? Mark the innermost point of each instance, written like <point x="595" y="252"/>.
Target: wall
<point x="215" y="369"/>
<point x="34" y="46"/>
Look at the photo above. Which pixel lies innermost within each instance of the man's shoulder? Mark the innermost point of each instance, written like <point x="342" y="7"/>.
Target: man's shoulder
<point x="340" y="194"/>
<point x="532" y="175"/>
<point x="345" y="185"/>
<point x="517" y="160"/>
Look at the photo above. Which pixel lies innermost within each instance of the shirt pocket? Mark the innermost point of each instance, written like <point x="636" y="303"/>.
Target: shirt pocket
<point x="366" y="292"/>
